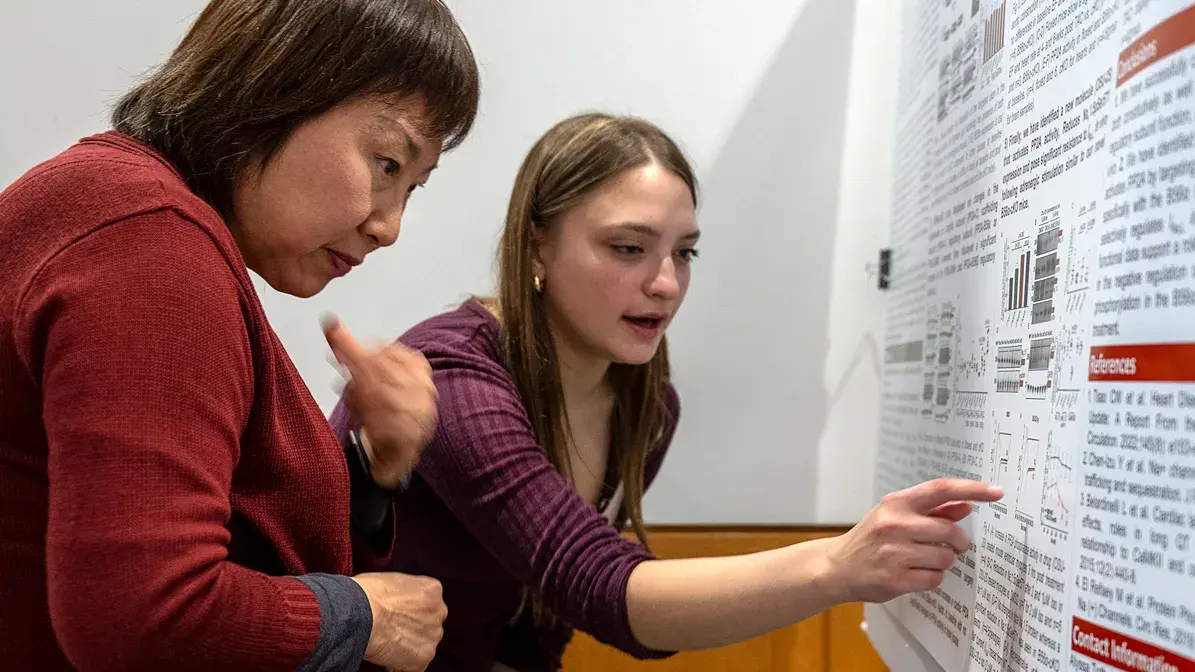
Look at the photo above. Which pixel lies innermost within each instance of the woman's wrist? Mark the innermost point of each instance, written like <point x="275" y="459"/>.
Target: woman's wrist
<point x="370" y="502"/>
<point x="378" y="472"/>
<point x="818" y="574"/>
<point x="375" y="617"/>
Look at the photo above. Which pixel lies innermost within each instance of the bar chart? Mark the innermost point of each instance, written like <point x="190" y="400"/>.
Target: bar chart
<point x="993" y="33"/>
<point x="1018" y="278"/>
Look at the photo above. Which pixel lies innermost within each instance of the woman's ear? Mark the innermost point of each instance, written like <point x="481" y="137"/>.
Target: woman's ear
<point x="541" y="251"/>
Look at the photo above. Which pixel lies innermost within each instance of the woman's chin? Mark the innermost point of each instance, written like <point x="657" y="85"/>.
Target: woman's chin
<point x="635" y="355"/>
<point x="303" y="290"/>
<point x="303" y="286"/>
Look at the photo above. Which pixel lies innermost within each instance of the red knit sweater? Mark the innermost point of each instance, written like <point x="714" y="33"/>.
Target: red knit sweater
<point x="161" y="462"/>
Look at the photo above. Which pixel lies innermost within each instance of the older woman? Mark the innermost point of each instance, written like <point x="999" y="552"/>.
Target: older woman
<point x="171" y="496"/>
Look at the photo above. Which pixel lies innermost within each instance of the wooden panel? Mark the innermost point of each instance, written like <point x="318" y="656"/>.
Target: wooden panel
<point x="810" y="650"/>
<point x="586" y="655"/>
<point x="828" y="641"/>
<point x="848" y="645"/>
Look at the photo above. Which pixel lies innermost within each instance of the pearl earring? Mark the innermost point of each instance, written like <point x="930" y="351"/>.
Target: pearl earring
<point x="538" y="284"/>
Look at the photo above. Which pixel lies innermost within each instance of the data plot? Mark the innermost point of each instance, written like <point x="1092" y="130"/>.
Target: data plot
<point x="1070" y="347"/>
<point x="1058" y="490"/>
<point x="1064" y="404"/>
<point x="1017" y="274"/>
<point x="1066" y="399"/>
<point x="943" y="366"/>
<point x="1041" y="351"/>
<point x="1045" y="265"/>
<point x="1037" y="380"/>
<point x="1037" y="391"/>
<point x="1029" y="489"/>
<point x="930" y="360"/>
<point x="1078" y="272"/>
<point x="1001" y="459"/>
<point x="970" y="400"/>
<point x="1008" y="382"/>
<point x="1009" y="359"/>
<point x="993" y="33"/>
<point x="972" y="407"/>
<point x="971" y="364"/>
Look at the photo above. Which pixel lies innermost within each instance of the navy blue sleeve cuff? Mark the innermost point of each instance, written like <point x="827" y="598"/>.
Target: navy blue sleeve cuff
<point x="370" y="504"/>
<point x="346" y="622"/>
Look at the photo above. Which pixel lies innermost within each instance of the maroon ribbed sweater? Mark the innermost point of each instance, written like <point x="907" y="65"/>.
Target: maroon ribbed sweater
<point x="161" y="461"/>
<point x="486" y="513"/>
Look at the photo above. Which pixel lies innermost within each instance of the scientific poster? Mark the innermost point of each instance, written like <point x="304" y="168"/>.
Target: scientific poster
<point x="1041" y="326"/>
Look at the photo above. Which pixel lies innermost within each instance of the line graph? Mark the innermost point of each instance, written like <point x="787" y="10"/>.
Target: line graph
<point x="1029" y="489"/>
<point x="1058" y="491"/>
<point x="1001" y="459"/>
<point x="1078" y="272"/>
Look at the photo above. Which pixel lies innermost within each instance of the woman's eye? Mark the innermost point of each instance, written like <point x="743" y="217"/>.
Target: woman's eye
<point x="627" y="249"/>
<point x="413" y="187"/>
<point x="687" y="255"/>
<point x="389" y="166"/>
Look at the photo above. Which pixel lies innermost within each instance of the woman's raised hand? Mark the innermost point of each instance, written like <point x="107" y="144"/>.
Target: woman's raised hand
<point x="391" y="393"/>
<point x="908" y="541"/>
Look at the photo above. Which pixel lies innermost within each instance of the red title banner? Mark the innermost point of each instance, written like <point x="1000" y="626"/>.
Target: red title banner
<point x="1169" y="36"/>
<point x="1152" y="363"/>
<point x="1123" y="652"/>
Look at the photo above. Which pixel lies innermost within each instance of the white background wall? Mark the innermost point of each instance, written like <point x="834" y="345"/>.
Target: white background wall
<point x="774" y="349"/>
<point x="855" y="329"/>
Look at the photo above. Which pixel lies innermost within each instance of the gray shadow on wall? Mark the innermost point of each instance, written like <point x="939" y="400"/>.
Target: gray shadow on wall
<point x="749" y="353"/>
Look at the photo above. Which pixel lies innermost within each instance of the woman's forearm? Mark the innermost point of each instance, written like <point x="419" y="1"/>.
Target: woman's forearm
<point x="677" y="605"/>
<point x="905" y="544"/>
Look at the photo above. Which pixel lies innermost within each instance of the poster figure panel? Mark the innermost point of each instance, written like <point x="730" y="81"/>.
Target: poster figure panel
<point x="1041" y="326"/>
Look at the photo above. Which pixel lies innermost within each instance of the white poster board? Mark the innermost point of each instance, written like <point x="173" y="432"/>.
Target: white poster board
<point x="1041" y="330"/>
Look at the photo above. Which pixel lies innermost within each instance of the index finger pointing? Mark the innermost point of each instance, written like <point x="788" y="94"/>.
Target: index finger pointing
<point x="927" y="496"/>
<point x="346" y="348"/>
<point x="953" y="511"/>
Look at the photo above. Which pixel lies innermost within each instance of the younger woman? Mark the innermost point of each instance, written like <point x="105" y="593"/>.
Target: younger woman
<point x="555" y="414"/>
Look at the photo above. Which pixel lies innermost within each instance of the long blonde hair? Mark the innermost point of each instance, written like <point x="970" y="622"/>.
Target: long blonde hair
<point x="571" y="160"/>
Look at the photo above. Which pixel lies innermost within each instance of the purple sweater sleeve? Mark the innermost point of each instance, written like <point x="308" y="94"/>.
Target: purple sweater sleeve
<point x="486" y="465"/>
<point x="530" y="647"/>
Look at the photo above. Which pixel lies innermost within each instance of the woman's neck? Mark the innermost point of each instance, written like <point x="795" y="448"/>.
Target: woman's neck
<point x="588" y="401"/>
<point x="582" y="376"/>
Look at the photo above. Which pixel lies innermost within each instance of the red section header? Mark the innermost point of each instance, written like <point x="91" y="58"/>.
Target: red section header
<point x="1169" y="36"/>
<point x="1124" y="653"/>
<point x="1153" y="363"/>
